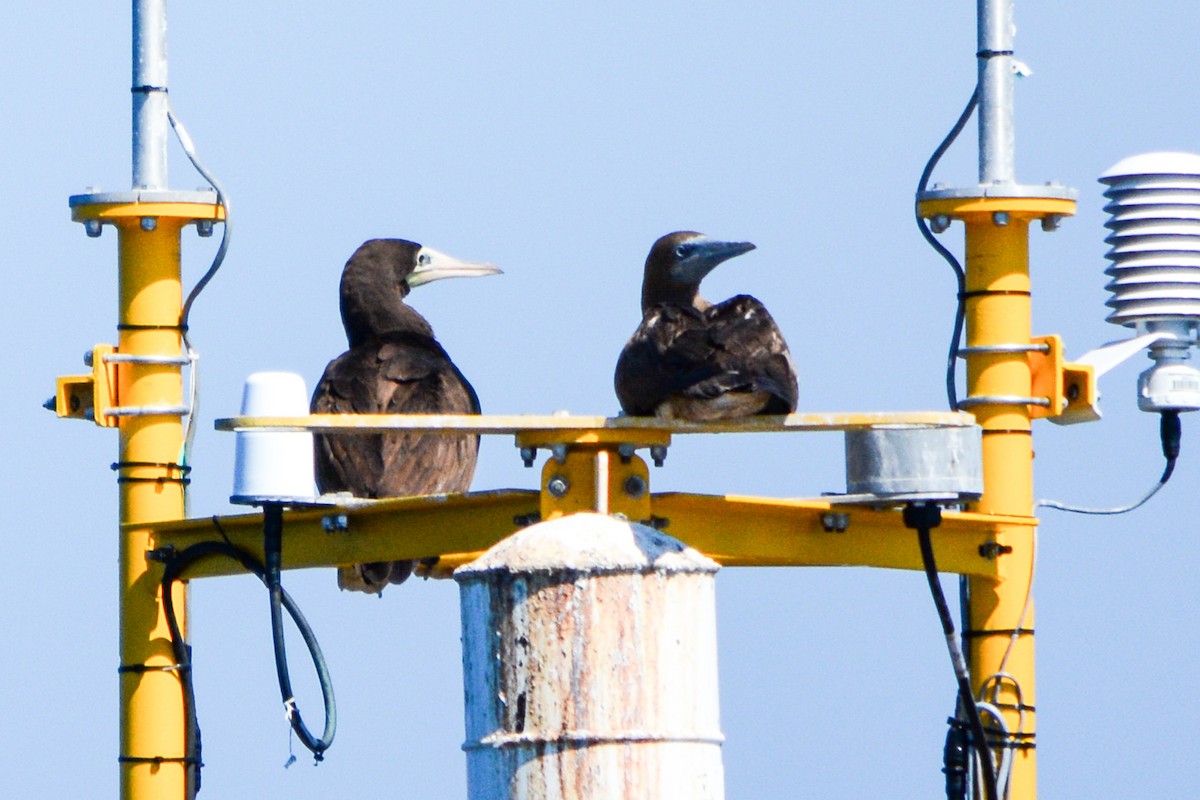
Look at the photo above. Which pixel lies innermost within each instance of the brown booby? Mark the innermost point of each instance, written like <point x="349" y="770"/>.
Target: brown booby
<point x="692" y="360"/>
<point x="394" y="366"/>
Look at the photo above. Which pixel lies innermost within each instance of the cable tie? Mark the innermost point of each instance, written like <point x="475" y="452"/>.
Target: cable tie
<point x="139" y="669"/>
<point x="992" y="53"/>
<point x="1009" y="632"/>
<point x="159" y="760"/>
<point x="971" y="295"/>
<point x="146" y="88"/>
<point x="170" y="465"/>
<point x="133" y="326"/>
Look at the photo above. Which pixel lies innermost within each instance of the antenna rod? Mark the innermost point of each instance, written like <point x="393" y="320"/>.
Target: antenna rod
<point x="995" y="56"/>
<point x="150" y="126"/>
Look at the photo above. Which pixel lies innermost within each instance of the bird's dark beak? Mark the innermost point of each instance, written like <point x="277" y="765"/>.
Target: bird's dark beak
<point x="706" y="255"/>
<point x="433" y="265"/>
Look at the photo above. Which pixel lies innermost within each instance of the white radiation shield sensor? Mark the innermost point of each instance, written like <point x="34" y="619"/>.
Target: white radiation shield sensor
<point x="273" y="466"/>
<point x="1154" y="208"/>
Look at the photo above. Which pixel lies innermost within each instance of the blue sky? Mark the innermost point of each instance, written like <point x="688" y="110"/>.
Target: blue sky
<point x="558" y="141"/>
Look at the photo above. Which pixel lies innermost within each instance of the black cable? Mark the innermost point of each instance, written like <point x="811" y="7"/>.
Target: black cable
<point x="924" y="518"/>
<point x="1170" y="432"/>
<point x="176" y="564"/>
<point x="959" y="275"/>
<point x="273" y="551"/>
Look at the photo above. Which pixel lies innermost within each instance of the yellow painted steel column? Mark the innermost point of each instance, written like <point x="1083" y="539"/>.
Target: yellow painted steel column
<point x="154" y="757"/>
<point x="998" y="312"/>
<point x="1000" y="394"/>
<point x="153" y="722"/>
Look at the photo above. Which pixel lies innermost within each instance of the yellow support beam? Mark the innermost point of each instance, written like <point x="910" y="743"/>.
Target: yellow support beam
<point x="735" y="531"/>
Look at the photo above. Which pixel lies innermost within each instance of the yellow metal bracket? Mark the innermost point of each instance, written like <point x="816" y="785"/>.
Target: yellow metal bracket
<point x="89" y="396"/>
<point x="1070" y="388"/>
<point x="594" y="466"/>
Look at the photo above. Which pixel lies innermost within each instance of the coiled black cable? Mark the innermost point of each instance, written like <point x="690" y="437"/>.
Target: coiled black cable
<point x="176" y="563"/>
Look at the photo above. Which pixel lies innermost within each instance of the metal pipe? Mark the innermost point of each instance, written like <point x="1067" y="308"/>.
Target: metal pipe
<point x="590" y="665"/>
<point x="149" y="91"/>
<point x="995" y="57"/>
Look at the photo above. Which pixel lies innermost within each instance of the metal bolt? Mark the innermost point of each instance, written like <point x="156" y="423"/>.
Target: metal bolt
<point x="93" y="228"/>
<point x="1000" y="218"/>
<point x="204" y="227"/>
<point x="1050" y="222"/>
<point x="335" y="523"/>
<point x="626" y="451"/>
<point x="559" y="451"/>
<point x="990" y="550"/>
<point x="558" y="486"/>
<point x="528" y="454"/>
<point x="89" y="358"/>
<point x="149" y="224"/>
<point x="835" y="522"/>
<point x="635" y="486"/>
<point x="659" y="453"/>
<point x="939" y="223"/>
<point x="1073" y="392"/>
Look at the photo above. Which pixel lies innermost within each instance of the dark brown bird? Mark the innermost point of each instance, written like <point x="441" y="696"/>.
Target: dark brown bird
<point x="692" y="360"/>
<point x="394" y="366"/>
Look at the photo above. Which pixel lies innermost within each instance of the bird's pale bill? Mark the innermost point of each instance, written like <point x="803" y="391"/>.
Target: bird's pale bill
<point x="433" y="265"/>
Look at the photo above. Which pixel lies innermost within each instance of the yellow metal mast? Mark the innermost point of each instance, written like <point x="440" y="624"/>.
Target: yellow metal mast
<point x="138" y="388"/>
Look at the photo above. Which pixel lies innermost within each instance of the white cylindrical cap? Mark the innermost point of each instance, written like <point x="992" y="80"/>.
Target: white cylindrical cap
<point x="273" y="466"/>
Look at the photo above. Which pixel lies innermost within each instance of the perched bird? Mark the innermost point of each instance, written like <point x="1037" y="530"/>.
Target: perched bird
<point x="394" y="366"/>
<point x="692" y="360"/>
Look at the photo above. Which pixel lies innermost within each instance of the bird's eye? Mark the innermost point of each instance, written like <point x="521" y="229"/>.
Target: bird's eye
<point x="683" y="251"/>
<point x="423" y="260"/>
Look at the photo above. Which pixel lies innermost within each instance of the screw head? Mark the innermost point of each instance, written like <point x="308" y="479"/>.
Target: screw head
<point x="149" y="223"/>
<point x="204" y="227"/>
<point x="558" y="486"/>
<point x="1050" y="222"/>
<point x="528" y="454"/>
<point x="939" y="223"/>
<point x="93" y="228"/>
<point x="635" y="486"/>
<point x="1000" y="218"/>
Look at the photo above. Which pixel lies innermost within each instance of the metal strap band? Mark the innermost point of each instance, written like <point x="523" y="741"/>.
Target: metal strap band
<point x="989" y="349"/>
<point x="147" y="411"/>
<point x="1003" y="400"/>
<point x="129" y="358"/>
<point x="583" y="738"/>
<point x="992" y="53"/>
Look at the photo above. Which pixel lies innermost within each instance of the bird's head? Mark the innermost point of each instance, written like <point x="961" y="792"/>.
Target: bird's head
<point x="380" y="275"/>
<point x="679" y="261"/>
